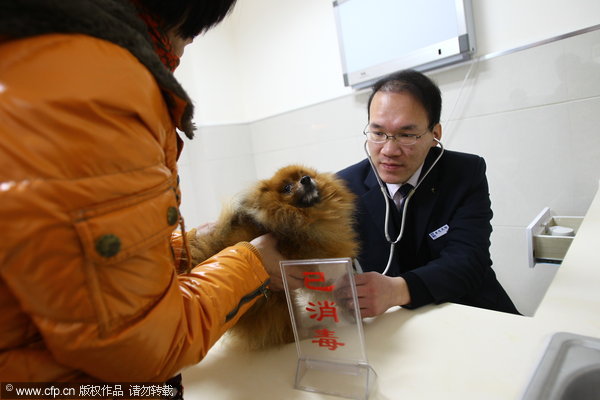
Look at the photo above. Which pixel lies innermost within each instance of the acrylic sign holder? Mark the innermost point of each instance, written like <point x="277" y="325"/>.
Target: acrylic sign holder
<point x="328" y="331"/>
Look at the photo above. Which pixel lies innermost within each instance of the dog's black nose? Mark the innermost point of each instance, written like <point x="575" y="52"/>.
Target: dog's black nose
<point x="305" y="180"/>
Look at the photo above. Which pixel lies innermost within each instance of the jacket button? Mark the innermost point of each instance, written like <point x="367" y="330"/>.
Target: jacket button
<point x="172" y="215"/>
<point x="108" y="245"/>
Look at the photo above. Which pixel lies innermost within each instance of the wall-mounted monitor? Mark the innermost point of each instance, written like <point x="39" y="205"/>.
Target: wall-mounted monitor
<point x="378" y="37"/>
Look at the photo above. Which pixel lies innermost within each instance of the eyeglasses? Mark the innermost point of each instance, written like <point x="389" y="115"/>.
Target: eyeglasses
<point x="406" y="139"/>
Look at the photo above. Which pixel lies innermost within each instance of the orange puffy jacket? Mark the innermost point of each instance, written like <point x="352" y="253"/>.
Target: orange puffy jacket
<point x="88" y="204"/>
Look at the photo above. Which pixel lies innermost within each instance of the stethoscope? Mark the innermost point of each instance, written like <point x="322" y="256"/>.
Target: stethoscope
<point x="386" y="196"/>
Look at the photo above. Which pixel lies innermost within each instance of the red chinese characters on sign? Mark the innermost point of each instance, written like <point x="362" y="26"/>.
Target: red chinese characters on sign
<point x="321" y="278"/>
<point x="322" y="309"/>
<point x="325" y="338"/>
<point x="325" y="309"/>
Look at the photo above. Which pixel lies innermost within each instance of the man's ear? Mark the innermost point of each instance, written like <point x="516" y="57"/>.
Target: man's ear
<point x="437" y="133"/>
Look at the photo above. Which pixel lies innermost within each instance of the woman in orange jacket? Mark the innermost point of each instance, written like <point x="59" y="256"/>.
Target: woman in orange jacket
<point x="89" y="196"/>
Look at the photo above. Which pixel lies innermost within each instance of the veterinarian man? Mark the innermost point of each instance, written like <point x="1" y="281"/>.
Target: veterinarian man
<point x="443" y="254"/>
<point x="89" y="196"/>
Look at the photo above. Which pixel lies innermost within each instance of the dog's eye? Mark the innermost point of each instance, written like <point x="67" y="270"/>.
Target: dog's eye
<point x="287" y="188"/>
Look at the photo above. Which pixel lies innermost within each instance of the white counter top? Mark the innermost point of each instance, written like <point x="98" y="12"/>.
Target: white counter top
<point x="436" y="352"/>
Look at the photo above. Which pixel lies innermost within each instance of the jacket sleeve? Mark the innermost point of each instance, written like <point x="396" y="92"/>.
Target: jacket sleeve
<point x="88" y="195"/>
<point x="177" y="246"/>
<point x="460" y="259"/>
<point x="176" y="331"/>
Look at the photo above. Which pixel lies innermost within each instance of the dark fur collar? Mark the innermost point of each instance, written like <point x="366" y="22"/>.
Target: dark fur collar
<point x="112" y="20"/>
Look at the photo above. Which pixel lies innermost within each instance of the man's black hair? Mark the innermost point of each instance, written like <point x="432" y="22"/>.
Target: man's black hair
<point x="423" y="89"/>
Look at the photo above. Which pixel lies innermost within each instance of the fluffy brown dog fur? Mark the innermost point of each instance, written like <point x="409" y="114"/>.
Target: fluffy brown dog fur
<point x="310" y="214"/>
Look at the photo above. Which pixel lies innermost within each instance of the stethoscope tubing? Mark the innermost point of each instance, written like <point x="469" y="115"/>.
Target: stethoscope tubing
<point x="386" y="196"/>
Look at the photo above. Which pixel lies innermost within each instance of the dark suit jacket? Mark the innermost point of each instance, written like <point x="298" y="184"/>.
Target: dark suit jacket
<point x="454" y="266"/>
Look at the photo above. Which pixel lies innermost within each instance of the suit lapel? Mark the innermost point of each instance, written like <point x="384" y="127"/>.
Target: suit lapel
<point x="374" y="202"/>
<point x="425" y="196"/>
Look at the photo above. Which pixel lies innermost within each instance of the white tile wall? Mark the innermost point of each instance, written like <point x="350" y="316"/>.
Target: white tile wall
<point x="533" y="115"/>
<point x="519" y="148"/>
<point x="218" y="163"/>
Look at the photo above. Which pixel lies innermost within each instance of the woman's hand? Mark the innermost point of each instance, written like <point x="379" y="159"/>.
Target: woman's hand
<point x="267" y="247"/>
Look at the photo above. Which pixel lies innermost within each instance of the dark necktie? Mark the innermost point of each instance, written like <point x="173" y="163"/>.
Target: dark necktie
<point x="401" y="194"/>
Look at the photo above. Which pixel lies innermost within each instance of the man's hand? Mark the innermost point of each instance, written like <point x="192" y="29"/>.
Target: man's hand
<point x="377" y="292"/>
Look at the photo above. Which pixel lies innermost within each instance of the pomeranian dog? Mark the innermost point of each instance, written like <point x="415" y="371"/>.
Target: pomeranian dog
<point x="310" y="214"/>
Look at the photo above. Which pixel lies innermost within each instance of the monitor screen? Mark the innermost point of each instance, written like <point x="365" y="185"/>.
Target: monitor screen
<point x="378" y="37"/>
